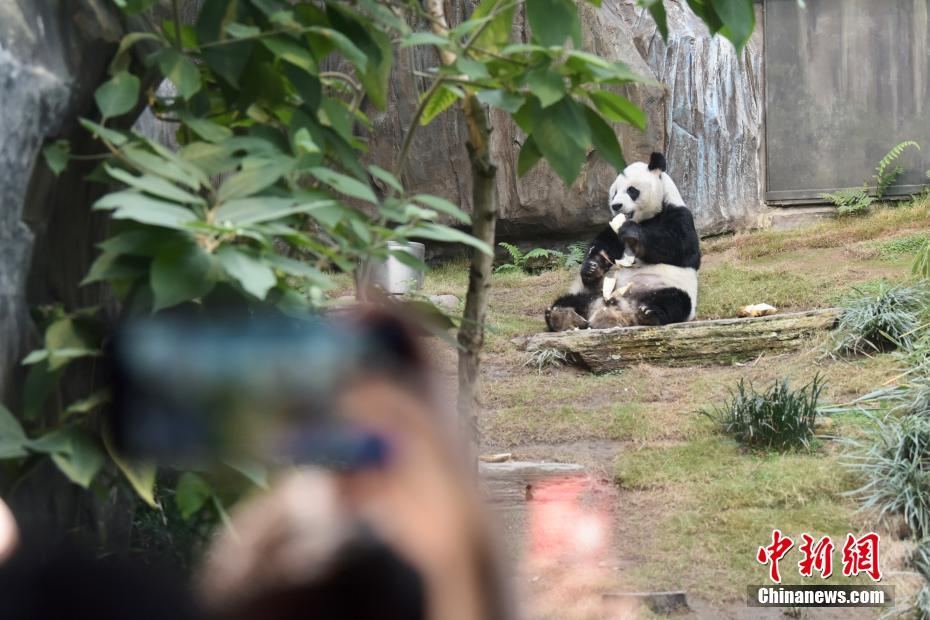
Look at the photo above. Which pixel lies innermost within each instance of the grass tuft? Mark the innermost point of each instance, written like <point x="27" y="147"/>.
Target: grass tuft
<point x="882" y="321"/>
<point x="894" y="460"/>
<point x="777" y="419"/>
<point x="546" y="358"/>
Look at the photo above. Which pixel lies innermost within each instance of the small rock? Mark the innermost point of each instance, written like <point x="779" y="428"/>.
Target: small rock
<point x="446" y="302"/>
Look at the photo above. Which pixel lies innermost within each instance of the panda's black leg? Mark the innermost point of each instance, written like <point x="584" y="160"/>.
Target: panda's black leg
<point x="664" y="306"/>
<point x="568" y="312"/>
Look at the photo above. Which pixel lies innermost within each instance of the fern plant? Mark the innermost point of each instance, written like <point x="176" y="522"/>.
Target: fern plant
<point x="850" y="201"/>
<point x="524" y="261"/>
<point x="858" y="200"/>
<point x="575" y="255"/>
<point x="885" y="175"/>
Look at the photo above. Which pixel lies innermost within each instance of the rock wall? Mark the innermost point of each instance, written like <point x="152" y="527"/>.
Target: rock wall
<point x="708" y="118"/>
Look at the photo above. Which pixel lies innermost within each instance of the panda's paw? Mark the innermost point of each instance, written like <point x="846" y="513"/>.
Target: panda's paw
<point x="646" y="316"/>
<point x="562" y="318"/>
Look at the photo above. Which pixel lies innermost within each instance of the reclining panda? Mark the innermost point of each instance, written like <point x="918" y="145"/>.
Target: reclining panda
<point x="652" y="232"/>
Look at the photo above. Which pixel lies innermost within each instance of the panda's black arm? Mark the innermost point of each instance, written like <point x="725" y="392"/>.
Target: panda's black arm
<point x="595" y="264"/>
<point x="669" y="239"/>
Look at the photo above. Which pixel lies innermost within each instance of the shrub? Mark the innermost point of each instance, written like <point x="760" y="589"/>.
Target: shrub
<point x="894" y="460"/>
<point x="779" y="418"/>
<point x="881" y="321"/>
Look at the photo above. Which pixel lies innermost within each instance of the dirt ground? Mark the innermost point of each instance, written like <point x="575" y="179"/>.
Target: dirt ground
<point x="664" y="503"/>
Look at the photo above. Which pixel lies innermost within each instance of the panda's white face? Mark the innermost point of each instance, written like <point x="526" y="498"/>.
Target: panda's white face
<point x="637" y="192"/>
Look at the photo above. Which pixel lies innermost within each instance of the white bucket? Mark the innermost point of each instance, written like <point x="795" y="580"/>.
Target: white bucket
<point x="393" y="276"/>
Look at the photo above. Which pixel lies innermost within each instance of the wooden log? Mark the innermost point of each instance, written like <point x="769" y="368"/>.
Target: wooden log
<point x="510" y="485"/>
<point x="715" y="342"/>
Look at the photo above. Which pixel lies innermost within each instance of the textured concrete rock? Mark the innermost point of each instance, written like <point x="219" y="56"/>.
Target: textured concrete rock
<point x="708" y="119"/>
<point x="713" y="116"/>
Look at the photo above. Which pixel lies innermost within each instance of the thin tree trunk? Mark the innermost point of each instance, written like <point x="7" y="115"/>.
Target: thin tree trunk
<point x="484" y="221"/>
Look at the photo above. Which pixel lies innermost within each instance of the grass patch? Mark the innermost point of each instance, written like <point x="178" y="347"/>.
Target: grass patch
<point x="829" y="234"/>
<point x="621" y="421"/>
<point x="725" y="288"/>
<point x="882" y="321"/>
<point x="894" y="460"/>
<point x="779" y="418"/>
<point x="901" y="247"/>
<point x="724" y="505"/>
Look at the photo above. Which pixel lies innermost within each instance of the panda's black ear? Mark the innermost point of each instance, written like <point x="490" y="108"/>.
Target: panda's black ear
<point x="657" y="161"/>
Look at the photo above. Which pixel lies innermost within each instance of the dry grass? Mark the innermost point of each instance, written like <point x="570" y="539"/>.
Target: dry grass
<point x="836" y="233"/>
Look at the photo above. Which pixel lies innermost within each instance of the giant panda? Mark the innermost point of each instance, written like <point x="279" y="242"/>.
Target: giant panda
<point x="652" y="232"/>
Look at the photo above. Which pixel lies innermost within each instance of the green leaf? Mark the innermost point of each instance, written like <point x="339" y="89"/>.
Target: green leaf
<point x="553" y="21"/>
<point x="57" y="155"/>
<point x="39" y="355"/>
<point x="191" y="494"/>
<point x="497" y="32"/>
<point x="443" y="206"/>
<point x="241" y="31"/>
<point x="438" y="232"/>
<point x="66" y="340"/>
<point x="386" y="177"/>
<point x="304" y="143"/>
<point x="122" y="58"/>
<point x="155" y="159"/>
<point x="441" y="100"/>
<point x="308" y="86"/>
<point x="255" y="277"/>
<point x="252" y="471"/>
<point x="424" y="38"/>
<point x="74" y="451"/>
<point x="180" y="272"/>
<point x="180" y="69"/>
<point x="547" y="85"/>
<point x="256" y="175"/>
<point x="131" y="7"/>
<point x="738" y="17"/>
<point x="40" y="383"/>
<point x="113" y="137"/>
<point x="345" y="46"/>
<point x="617" y="108"/>
<point x="119" y="95"/>
<point x="12" y="436"/>
<point x="299" y="269"/>
<point x="86" y="405"/>
<point x="344" y="184"/>
<point x="657" y="10"/>
<point x="248" y="211"/>
<point x="529" y="156"/>
<point x="562" y="136"/>
<point x="156" y="186"/>
<point x="605" y="140"/>
<point x="472" y="68"/>
<point x="131" y="205"/>
<point x="111" y="266"/>
<point x="288" y="50"/>
<point x="205" y="128"/>
<point x="500" y="98"/>
<point x="140" y="474"/>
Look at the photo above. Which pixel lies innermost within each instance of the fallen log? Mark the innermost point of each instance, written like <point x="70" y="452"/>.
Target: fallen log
<point x="714" y="342"/>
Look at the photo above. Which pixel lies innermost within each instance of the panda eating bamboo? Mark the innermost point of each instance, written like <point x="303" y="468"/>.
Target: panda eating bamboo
<point x="642" y="268"/>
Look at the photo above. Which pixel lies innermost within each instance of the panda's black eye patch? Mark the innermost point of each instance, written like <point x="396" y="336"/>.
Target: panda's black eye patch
<point x="633" y="192"/>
